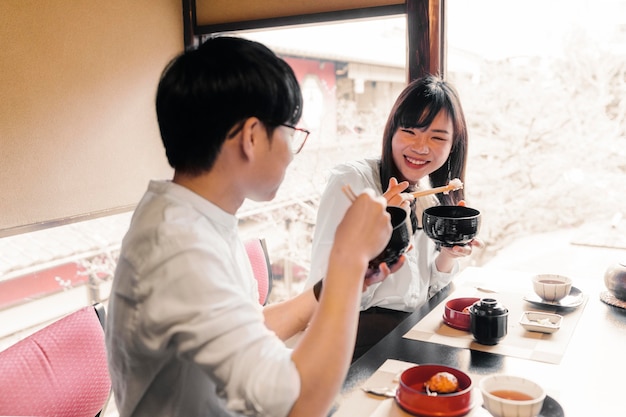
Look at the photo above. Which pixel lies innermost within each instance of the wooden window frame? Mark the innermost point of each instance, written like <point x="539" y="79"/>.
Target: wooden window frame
<point x="425" y="29"/>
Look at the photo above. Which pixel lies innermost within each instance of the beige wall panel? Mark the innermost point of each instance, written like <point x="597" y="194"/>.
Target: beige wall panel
<point x="78" y="131"/>
<point x="242" y="10"/>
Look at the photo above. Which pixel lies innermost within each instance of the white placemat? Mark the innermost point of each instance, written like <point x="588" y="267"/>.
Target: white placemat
<point x="358" y="403"/>
<point x="518" y="342"/>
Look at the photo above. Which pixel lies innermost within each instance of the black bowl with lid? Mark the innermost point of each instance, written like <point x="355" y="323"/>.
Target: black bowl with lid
<point x="488" y="321"/>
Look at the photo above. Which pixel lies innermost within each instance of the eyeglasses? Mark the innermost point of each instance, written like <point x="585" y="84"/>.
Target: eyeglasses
<point x="298" y="137"/>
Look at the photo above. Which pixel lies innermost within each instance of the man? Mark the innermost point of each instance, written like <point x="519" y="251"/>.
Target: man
<point x="185" y="333"/>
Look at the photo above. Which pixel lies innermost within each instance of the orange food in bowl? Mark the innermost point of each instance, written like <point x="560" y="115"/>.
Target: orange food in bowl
<point x="442" y="383"/>
<point x="413" y="397"/>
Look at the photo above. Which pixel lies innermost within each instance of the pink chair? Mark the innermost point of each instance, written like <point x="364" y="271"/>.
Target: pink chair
<point x="259" y="258"/>
<point x="61" y="370"/>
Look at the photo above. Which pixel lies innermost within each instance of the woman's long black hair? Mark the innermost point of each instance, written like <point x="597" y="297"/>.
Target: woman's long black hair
<point x="416" y="107"/>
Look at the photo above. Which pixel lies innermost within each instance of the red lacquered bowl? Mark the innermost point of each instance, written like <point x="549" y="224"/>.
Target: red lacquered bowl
<point x="453" y="314"/>
<point x="411" y="395"/>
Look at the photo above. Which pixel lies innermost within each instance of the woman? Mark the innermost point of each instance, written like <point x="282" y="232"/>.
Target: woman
<point x="424" y="146"/>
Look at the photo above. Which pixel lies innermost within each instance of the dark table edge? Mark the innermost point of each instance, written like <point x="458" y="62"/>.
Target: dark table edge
<point x="367" y="364"/>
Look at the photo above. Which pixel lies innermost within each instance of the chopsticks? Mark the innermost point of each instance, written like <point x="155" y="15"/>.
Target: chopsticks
<point x="347" y="190"/>
<point x="453" y="185"/>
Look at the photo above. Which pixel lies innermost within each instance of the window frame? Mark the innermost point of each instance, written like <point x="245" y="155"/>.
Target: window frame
<point x="425" y="29"/>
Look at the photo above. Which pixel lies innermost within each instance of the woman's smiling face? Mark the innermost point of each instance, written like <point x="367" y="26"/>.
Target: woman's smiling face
<point x="417" y="152"/>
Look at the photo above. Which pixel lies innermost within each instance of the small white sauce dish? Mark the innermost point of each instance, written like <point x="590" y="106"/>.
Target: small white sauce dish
<point x="534" y="321"/>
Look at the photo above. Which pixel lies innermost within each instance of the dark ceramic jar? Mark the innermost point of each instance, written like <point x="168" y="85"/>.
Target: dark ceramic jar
<point x="615" y="280"/>
<point x="488" y="321"/>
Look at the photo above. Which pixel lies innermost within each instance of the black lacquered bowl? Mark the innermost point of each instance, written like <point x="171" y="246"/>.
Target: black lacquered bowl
<point x="451" y="225"/>
<point x="400" y="238"/>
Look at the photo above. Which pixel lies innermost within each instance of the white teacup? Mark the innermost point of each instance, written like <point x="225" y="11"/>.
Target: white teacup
<point x="511" y="396"/>
<point x="551" y="287"/>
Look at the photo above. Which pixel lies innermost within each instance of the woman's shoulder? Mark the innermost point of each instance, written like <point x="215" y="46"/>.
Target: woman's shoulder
<point x="360" y="168"/>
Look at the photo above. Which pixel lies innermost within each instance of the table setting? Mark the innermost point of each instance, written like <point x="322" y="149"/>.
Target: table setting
<point x="532" y="342"/>
<point x="514" y="293"/>
<point x="538" y="331"/>
<point x="575" y="357"/>
<point x="380" y="396"/>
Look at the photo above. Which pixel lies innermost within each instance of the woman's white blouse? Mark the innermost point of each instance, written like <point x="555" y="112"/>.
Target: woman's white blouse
<point x="409" y="287"/>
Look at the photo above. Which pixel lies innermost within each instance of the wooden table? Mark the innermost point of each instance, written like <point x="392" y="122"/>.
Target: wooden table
<point x="590" y="379"/>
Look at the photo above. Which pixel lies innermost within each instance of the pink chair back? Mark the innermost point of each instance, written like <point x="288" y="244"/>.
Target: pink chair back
<point x="259" y="259"/>
<point x="61" y="370"/>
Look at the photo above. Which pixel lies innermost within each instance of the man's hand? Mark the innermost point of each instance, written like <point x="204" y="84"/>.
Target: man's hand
<point x="374" y="276"/>
<point x="365" y="228"/>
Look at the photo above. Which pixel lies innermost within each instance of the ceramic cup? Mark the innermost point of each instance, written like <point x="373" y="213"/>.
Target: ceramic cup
<point x="511" y="396"/>
<point x="488" y="321"/>
<point x="400" y="238"/>
<point x="615" y="279"/>
<point x="551" y="287"/>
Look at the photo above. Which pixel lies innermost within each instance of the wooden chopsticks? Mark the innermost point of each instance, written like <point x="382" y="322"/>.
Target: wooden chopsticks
<point x="347" y="190"/>
<point x="453" y="185"/>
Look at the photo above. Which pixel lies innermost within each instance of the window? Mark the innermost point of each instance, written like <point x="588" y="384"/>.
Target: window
<point x="546" y="111"/>
<point x="350" y="77"/>
<point x="547" y="114"/>
<point x="544" y="89"/>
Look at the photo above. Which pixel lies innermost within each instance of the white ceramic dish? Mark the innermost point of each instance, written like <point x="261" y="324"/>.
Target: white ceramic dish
<point x="574" y="299"/>
<point x="540" y="322"/>
<point x="492" y="386"/>
<point x="551" y="408"/>
<point x="551" y="287"/>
